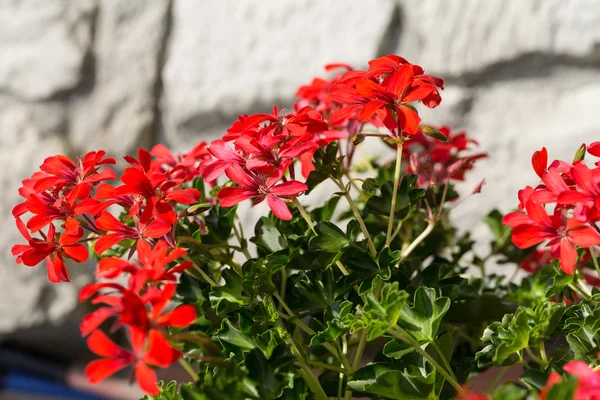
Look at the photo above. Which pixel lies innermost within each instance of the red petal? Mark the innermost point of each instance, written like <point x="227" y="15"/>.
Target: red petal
<point x="409" y="120"/>
<point x="160" y="352"/>
<point x="106" y="221"/>
<point x="568" y="256"/>
<point x="99" y="370"/>
<point x="184" y="196"/>
<point x="239" y="176"/>
<point x="369" y="109"/>
<point x="289" y="188"/>
<point x="93" y="320"/>
<point x="554" y="181"/>
<point x="539" y="160"/>
<point x="157" y="228"/>
<point x="107" y="241"/>
<point x="538" y="213"/>
<point x="230" y="196"/>
<point x="516" y="219"/>
<point x="101" y="345"/>
<point x="419" y="93"/>
<point x="181" y="317"/>
<point x="401" y="80"/>
<point x="279" y="208"/>
<point x="524" y="236"/>
<point x="573" y="197"/>
<point x="146" y="378"/>
<point x="582" y="235"/>
<point x="77" y="252"/>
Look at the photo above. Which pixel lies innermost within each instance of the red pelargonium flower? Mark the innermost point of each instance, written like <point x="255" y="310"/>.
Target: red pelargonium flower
<point x="563" y="234"/>
<point x="224" y="156"/>
<point x="295" y="124"/>
<point x="268" y="152"/>
<point x="386" y="90"/>
<point x="153" y="265"/>
<point x="150" y="182"/>
<point x="586" y="194"/>
<point x="61" y="171"/>
<point x="258" y="187"/>
<point x="141" y="311"/>
<point x="153" y="352"/>
<point x="588" y="381"/>
<point x="51" y="249"/>
<point x="117" y="231"/>
<point x="187" y="163"/>
<point x="47" y="209"/>
<point x="436" y="162"/>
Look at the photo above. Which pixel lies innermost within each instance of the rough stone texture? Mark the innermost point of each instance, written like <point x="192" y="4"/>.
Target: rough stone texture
<point x="78" y="75"/>
<point x="117" y="110"/>
<point x="229" y="57"/>
<point x="457" y="37"/>
<point x="43" y="45"/>
<point x="27" y="133"/>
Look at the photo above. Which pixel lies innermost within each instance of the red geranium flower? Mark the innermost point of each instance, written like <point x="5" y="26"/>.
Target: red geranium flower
<point x="257" y="186"/>
<point x="51" y="249"/>
<point x="117" y="231"/>
<point x="155" y="352"/>
<point x="562" y="233"/>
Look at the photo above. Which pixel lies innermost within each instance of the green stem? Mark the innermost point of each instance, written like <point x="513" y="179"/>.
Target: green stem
<point x="239" y="236"/>
<point x="595" y="259"/>
<point x="312" y="382"/>
<point x="330" y="367"/>
<point x="312" y="227"/>
<point x="358" y="217"/>
<point x="577" y="289"/>
<point x="310" y="331"/>
<point x="360" y="348"/>
<point x="394" y="194"/>
<point x="207" y="278"/>
<point x="542" y="348"/>
<point x="418" y="240"/>
<point x="188" y="369"/>
<point x="535" y="358"/>
<point x="404" y="336"/>
<point x="443" y="358"/>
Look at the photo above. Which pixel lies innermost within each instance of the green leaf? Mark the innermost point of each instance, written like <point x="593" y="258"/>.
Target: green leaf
<point x="229" y="296"/>
<point x="334" y="325"/>
<point x="330" y="238"/>
<point x="325" y="213"/>
<point x="583" y="326"/>
<point x="381" y="379"/>
<point x="505" y="339"/>
<point x="267" y="237"/>
<point x="407" y="198"/>
<point x="500" y="231"/>
<point x="270" y="375"/>
<point x="227" y="333"/>
<point x="378" y="316"/>
<point x="510" y="391"/>
<point x="423" y="318"/>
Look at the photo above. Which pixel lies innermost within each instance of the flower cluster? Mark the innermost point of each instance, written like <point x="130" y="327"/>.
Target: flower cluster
<point x="68" y="199"/>
<point x="295" y="310"/>
<point x="572" y="193"/>
<point x="436" y="162"/>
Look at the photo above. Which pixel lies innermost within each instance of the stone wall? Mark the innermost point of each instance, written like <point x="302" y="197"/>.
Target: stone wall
<point x="118" y="74"/>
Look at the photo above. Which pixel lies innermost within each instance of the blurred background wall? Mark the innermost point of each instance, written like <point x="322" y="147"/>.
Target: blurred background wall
<point x="117" y="74"/>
